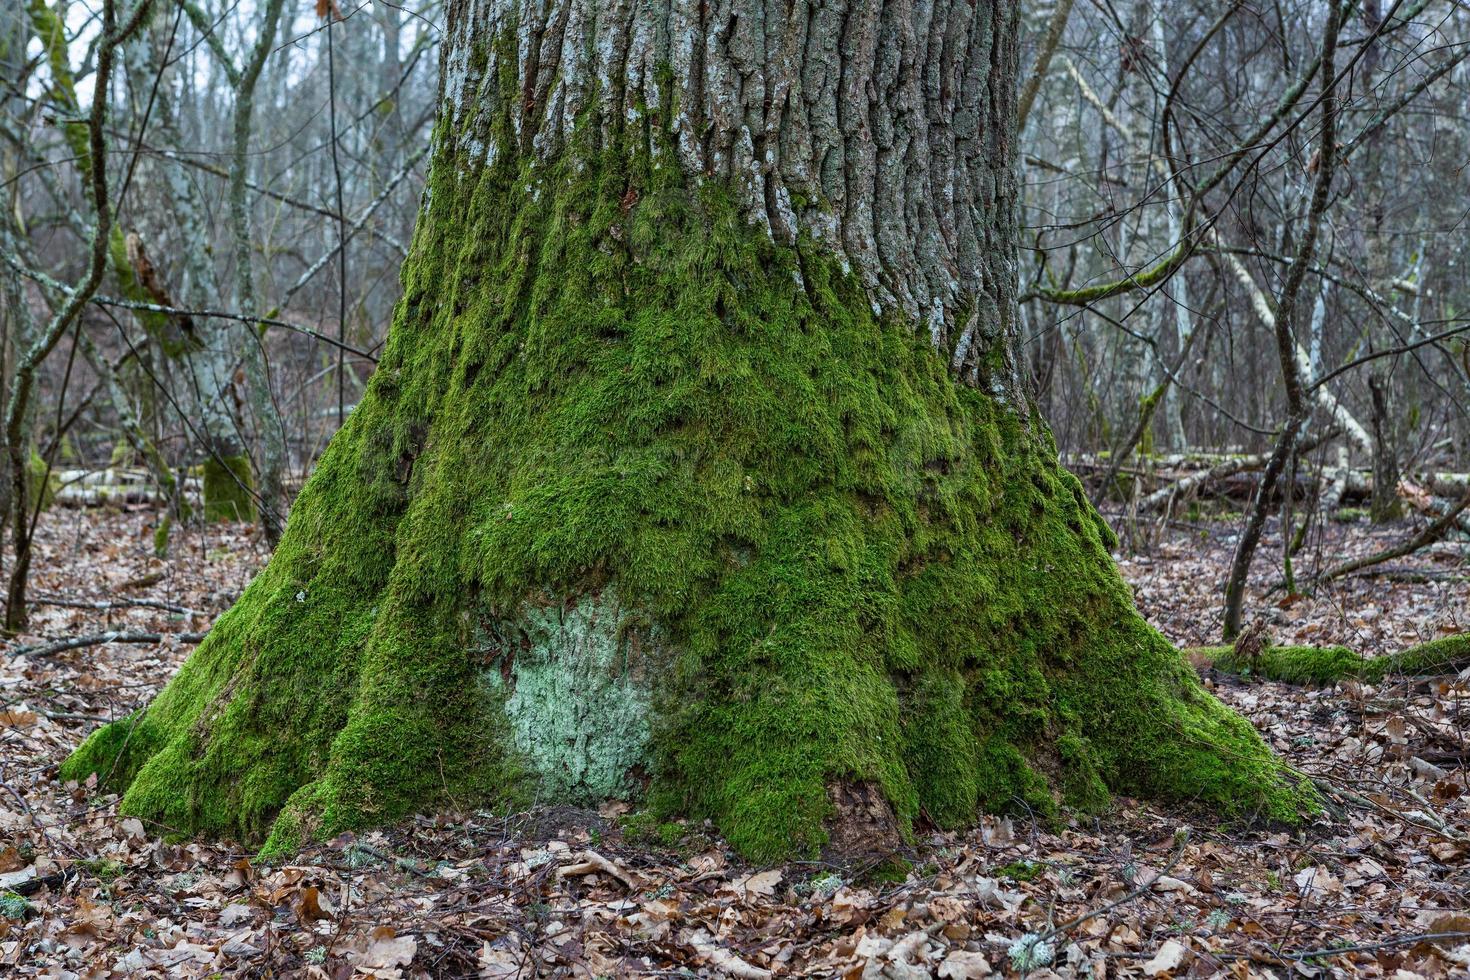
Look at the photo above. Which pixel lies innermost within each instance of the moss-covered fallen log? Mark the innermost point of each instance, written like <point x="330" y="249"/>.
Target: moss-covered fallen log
<point x="1330" y="664"/>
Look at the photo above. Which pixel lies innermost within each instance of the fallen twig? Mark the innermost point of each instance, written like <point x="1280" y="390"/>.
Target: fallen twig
<point x="1429" y="535"/>
<point x="104" y="605"/>
<point x="102" y="639"/>
<point x="590" y="862"/>
<point x="1311" y="954"/>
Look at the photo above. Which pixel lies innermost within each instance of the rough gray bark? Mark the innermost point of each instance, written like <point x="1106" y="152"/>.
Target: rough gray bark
<point x="205" y="354"/>
<point x="912" y="185"/>
<point x="272" y="464"/>
<point x="1384" y="506"/>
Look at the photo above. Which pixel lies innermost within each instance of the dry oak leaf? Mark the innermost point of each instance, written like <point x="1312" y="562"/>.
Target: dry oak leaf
<point x="1449" y="922"/>
<point x="963" y="965"/>
<point x="384" y="952"/>
<point x="762" y="884"/>
<point x="1170" y="957"/>
<point x="717" y="956"/>
<point x="947" y="909"/>
<point x="1316" y="880"/>
<point x="309" y="907"/>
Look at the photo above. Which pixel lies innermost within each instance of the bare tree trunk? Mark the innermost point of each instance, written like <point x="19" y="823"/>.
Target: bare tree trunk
<point x="18" y="404"/>
<point x="271" y="439"/>
<point x="205" y="348"/>
<point x="1288" y="349"/>
<point x="1384" y="505"/>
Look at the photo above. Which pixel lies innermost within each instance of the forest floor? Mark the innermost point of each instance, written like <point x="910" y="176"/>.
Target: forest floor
<point x="1379" y="892"/>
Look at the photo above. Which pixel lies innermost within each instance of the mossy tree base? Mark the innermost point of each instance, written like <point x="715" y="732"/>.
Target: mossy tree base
<point x="850" y="574"/>
<point x="228" y="490"/>
<point x="43" y="483"/>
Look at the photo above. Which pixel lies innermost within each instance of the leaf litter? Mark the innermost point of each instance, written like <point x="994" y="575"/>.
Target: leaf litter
<point x="1377" y="888"/>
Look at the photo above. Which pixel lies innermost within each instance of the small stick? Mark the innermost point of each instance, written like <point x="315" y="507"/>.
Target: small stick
<point x="103" y="605"/>
<point x="102" y="639"/>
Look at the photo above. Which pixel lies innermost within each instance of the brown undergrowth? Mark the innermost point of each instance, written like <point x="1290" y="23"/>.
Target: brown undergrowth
<point x="578" y="893"/>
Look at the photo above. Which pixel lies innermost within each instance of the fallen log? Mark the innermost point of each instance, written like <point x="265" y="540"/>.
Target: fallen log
<point x="115" y="486"/>
<point x="1230" y="467"/>
<point x="1292" y="664"/>
<point x="103" y="605"/>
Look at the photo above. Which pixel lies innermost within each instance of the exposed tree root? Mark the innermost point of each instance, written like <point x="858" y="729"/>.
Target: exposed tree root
<point x="1328" y="665"/>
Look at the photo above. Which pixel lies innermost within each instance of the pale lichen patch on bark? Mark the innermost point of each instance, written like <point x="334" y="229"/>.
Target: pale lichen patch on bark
<point x="576" y="679"/>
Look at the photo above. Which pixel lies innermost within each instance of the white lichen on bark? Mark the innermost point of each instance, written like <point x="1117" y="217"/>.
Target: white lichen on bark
<point x="578" y="685"/>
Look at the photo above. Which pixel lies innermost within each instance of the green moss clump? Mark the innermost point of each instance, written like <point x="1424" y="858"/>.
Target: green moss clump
<point x="1446" y="655"/>
<point x="643" y="827"/>
<point x="865" y="572"/>
<point x="891" y="871"/>
<point x="1328" y="665"/>
<point x="228" y="489"/>
<point x="107" y="869"/>
<point x="1083" y="787"/>
<point x="1291" y="664"/>
<point x="42" y="483"/>
<point x="161" y="535"/>
<point x="1021" y="870"/>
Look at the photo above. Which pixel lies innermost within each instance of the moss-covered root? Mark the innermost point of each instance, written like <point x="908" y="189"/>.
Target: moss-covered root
<point x="228" y="492"/>
<point x="1328" y="665"/>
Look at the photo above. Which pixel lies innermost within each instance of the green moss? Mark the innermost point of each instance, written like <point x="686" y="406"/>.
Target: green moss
<point x="1082" y="784"/>
<point x="1446" y="655"/>
<point x="228" y="489"/>
<point x="159" y="326"/>
<point x="857" y="569"/>
<point x="42" y="483"/>
<point x="644" y="827"/>
<point x="1293" y="664"/>
<point x="105" y="868"/>
<point x="161" y="535"/>
<point x="1328" y="665"/>
<point x="1009" y="783"/>
<point x="891" y="871"/>
<point x="1021" y="870"/>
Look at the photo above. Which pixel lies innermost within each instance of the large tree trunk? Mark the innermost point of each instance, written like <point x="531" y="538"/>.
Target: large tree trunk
<point x="698" y="467"/>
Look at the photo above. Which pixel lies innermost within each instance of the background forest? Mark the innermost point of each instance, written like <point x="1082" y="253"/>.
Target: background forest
<point x="266" y="161"/>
